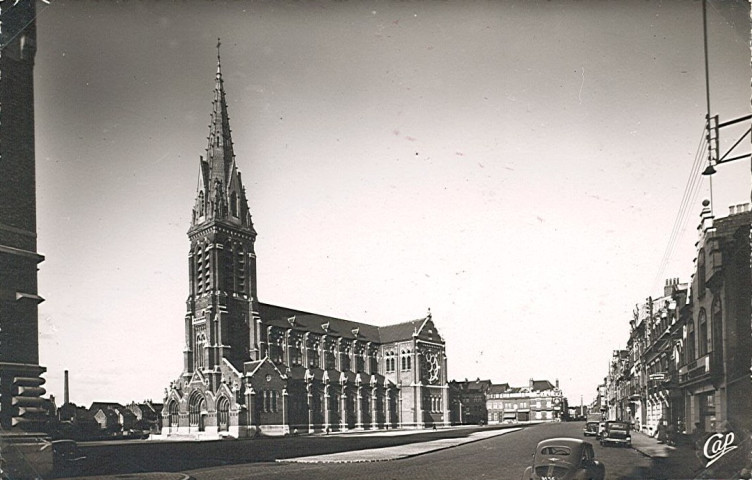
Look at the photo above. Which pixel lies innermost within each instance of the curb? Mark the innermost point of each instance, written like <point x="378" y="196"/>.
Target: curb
<point x="422" y="447"/>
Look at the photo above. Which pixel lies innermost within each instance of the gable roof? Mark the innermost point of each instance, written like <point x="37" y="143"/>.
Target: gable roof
<point x="105" y="406"/>
<point x="541" y="385"/>
<point x="399" y="331"/>
<point x="499" y="388"/>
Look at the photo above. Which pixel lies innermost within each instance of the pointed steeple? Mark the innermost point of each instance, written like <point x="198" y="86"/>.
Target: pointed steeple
<point x="219" y="152"/>
<point x="220" y="194"/>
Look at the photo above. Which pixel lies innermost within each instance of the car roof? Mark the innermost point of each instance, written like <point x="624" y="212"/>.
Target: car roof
<point x="573" y="443"/>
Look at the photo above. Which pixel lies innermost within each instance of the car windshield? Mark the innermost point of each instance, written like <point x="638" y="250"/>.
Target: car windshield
<point x="561" y="451"/>
<point x="617" y="426"/>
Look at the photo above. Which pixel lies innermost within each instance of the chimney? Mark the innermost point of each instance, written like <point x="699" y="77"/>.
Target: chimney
<point x="557" y="384"/>
<point x="531" y="383"/>
<point x="66" y="397"/>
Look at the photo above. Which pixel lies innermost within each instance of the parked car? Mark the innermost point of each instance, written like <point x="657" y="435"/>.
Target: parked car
<point x="67" y="458"/>
<point x="591" y="429"/>
<point x="564" y="459"/>
<point x="616" y="433"/>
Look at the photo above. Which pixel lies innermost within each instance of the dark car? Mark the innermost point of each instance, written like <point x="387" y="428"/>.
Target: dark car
<point x="67" y="458"/>
<point x="591" y="429"/>
<point x="616" y="433"/>
<point x="564" y="459"/>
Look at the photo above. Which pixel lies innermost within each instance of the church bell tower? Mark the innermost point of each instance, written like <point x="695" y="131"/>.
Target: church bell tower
<point x="221" y="317"/>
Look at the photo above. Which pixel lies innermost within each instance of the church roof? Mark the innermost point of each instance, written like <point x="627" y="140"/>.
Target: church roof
<point x="299" y="320"/>
<point x="399" y="331"/>
<point x="321" y="324"/>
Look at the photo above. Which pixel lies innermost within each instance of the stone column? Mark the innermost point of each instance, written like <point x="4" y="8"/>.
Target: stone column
<point x="285" y="413"/>
<point x="343" y="410"/>
<point x="359" y="408"/>
<point x="327" y="413"/>
<point x="387" y="407"/>
<point x="309" y="397"/>
<point x="374" y="412"/>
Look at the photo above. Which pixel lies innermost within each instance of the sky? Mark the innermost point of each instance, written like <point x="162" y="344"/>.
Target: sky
<point x="515" y="166"/>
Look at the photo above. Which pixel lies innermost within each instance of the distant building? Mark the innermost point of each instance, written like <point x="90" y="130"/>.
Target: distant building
<point x="539" y="401"/>
<point x="250" y="367"/>
<point x="148" y="415"/>
<point x="112" y="417"/>
<point x="468" y="401"/>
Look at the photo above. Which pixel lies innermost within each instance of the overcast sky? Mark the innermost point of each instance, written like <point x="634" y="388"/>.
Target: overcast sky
<point x="515" y="166"/>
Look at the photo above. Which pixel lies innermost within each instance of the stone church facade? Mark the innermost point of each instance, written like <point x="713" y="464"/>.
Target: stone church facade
<point x="251" y="367"/>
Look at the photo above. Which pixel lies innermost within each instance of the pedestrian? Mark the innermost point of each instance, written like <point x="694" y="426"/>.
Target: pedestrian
<point x="661" y="431"/>
<point x="671" y="434"/>
<point x="698" y="436"/>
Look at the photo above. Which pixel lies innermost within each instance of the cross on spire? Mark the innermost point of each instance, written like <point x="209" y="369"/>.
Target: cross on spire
<point x="218" y="45"/>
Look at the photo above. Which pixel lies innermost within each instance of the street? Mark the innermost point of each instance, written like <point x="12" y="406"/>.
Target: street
<point x="500" y="457"/>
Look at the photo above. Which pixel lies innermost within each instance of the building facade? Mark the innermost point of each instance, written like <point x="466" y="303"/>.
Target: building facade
<point x="468" y="401"/>
<point x="689" y="351"/>
<point x="251" y="367"/>
<point x="717" y="338"/>
<point x="21" y="405"/>
<point x="540" y="401"/>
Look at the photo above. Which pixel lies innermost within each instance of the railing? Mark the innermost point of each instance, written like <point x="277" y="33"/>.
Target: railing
<point x="696" y="369"/>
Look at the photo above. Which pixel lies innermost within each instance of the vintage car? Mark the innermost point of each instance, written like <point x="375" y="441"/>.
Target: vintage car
<point x="591" y="429"/>
<point x="616" y="433"/>
<point x="564" y="459"/>
<point x="68" y="459"/>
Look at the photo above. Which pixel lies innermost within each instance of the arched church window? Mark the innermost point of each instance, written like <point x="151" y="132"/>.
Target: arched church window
<point x="406" y="360"/>
<point x="223" y="414"/>
<point x="296" y="353"/>
<point x="173" y="409"/>
<point x="329" y="359"/>
<point x="199" y="353"/>
<point x="345" y="359"/>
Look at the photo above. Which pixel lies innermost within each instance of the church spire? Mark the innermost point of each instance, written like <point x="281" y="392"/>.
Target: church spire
<point x="220" y="195"/>
<point x="219" y="152"/>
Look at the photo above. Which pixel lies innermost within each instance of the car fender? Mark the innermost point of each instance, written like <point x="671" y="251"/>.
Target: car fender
<point x="528" y="475"/>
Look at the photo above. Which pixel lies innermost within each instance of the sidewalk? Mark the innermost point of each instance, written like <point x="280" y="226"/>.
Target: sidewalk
<point x="396" y="452"/>
<point x="676" y="462"/>
<point x="138" y="476"/>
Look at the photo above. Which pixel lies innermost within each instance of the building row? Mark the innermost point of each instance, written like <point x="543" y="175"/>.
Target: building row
<point x="481" y="401"/>
<point x="687" y="359"/>
<point x="103" y="420"/>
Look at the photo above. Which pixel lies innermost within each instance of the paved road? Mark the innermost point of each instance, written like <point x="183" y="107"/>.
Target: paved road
<point x="498" y="457"/>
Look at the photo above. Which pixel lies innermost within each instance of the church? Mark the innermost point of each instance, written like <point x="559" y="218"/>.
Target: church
<point x="252" y="368"/>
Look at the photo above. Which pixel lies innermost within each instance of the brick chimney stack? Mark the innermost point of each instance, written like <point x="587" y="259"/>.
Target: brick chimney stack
<point x="66" y="397"/>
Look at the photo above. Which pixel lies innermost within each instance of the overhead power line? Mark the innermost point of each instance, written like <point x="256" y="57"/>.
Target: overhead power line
<point x="689" y="199"/>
